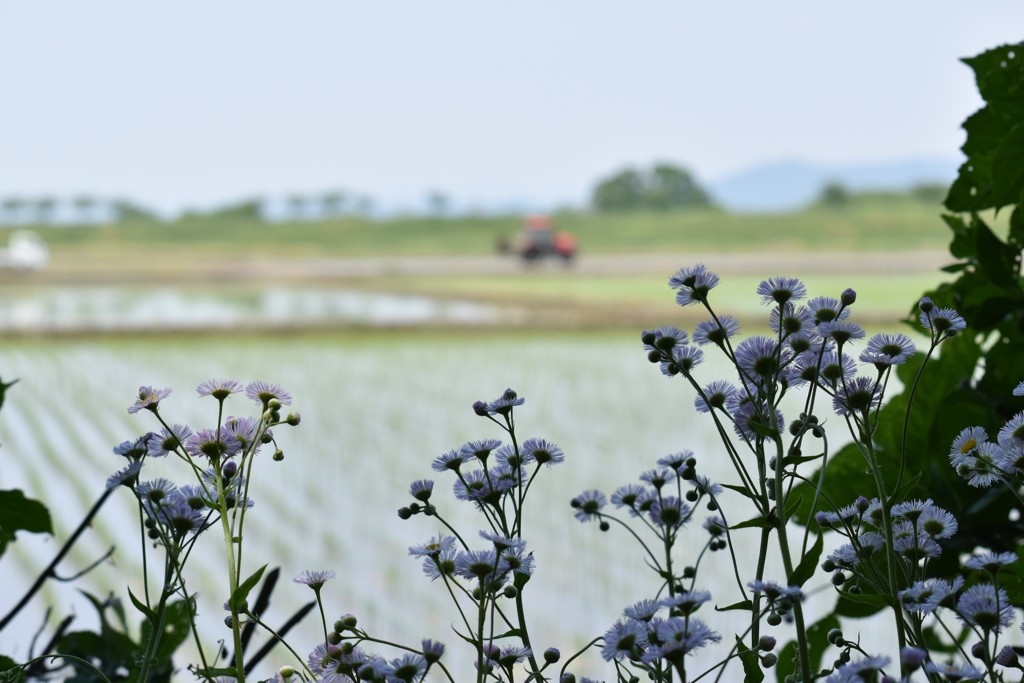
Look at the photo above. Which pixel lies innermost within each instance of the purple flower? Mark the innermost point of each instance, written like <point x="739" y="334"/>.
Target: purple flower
<point x="408" y="667"/>
<point x="421" y="489"/>
<point x="315" y="579"/>
<point x="716" y="395"/>
<point x="826" y="309"/>
<point x="928" y="595"/>
<point x="643" y="610"/>
<point x="168" y="440"/>
<point x="478" y="564"/>
<point x="716" y="331"/>
<point x="220" y="389"/>
<point x="1012" y="433"/>
<point x="781" y="289"/>
<point x="624" y="639"/>
<point x="687" y="603"/>
<point x="681" y="636"/>
<point x="858" y="395"/>
<point x="942" y="321"/>
<point x="542" y="451"/>
<point x="669" y="512"/>
<point x="588" y="505"/>
<point x="127" y="476"/>
<point x="135" y="449"/>
<point x="954" y="672"/>
<point x="207" y="443"/>
<point x="450" y="461"/>
<point x="791" y="321"/>
<point x="967" y="441"/>
<point x="149" y="398"/>
<point x="888" y="349"/>
<point x="759" y="358"/>
<point x="664" y="339"/>
<point x="693" y="284"/>
<point x="991" y="562"/>
<point x="504" y="404"/>
<point x="841" y="331"/>
<point x="985" y="606"/>
<point x="682" y="360"/>
<point x="479" y="449"/>
<point x="262" y="392"/>
<point x="1019" y="390"/>
<point x="434" y="547"/>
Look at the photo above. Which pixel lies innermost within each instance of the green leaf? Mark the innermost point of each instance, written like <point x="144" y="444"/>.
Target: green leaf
<point x="4" y="386"/>
<point x="742" y="490"/>
<point x="808" y="564"/>
<point x="18" y="513"/>
<point x="10" y="672"/>
<point x="864" y="606"/>
<point x="1007" y="169"/>
<point x="754" y="523"/>
<point x="242" y="592"/>
<point x="751" y="663"/>
<point x="141" y="606"/>
<point x="746" y="605"/>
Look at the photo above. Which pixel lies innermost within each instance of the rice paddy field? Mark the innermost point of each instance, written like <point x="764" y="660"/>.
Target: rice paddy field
<point x="376" y="408"/>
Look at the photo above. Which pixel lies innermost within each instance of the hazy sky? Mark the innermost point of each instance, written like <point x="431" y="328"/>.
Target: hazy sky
<point x="202" y="102"/>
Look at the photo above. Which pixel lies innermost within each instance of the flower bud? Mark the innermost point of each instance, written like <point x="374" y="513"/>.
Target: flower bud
<point x="774" y="619"/>
<point x="835" y="636"/>
<point x="862" y="504"/>
<point x="766" y="643"/>
<point x="510" y="592"/>
<point x="229" y="469"/>
<point x="274" y="404"/>
<point x="404" y="513"/>
<point x="552" y="655"/>
<point x="567" y="678"/>
<point x="604" y="526"/>
<point x="769" y="660"/>
<point x="333" y="637"/>
<point x="926" y="305"/>
<point x="648" y="337"/>
<point x="293" y="419"/>
<point x="347" y="621"/>
<point x="848" y="297"/>
<point x="480" y="408"/>
<point x="912" y="658"/>
<point x="1008" y="657"/>
<point x="286" y="672"/>
<point x="278" y="455"/>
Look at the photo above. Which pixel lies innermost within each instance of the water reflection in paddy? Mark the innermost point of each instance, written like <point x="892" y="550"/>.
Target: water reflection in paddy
<point x="121" y="308"/>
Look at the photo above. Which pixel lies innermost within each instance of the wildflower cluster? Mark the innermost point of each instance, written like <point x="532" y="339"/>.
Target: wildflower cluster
<point x="811" y="349"/>
<point x="662" y="504"/>
<point x="220" y="461"/>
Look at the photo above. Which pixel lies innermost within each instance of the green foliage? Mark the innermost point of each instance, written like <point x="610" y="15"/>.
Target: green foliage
<point x="972" y="380"/>
<point x="661" y="188"/>
<point x="18" y="513"/>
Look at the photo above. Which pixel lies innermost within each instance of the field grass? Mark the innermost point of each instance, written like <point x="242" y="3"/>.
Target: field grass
<point x="870" y="224"/>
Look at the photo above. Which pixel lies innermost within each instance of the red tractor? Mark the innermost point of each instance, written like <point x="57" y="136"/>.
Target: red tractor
<point x="539" y="240"/>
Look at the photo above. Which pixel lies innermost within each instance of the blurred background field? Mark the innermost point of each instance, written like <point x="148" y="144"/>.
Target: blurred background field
<point x="331" y="198"/>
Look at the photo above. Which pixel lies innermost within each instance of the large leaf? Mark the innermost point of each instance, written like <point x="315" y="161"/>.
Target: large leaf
<point x="18" y="513"/>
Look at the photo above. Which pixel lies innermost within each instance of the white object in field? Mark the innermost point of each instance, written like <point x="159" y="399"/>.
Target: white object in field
<point x="26" y="251"/>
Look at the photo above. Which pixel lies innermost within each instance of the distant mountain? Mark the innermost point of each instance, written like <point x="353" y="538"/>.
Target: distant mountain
<point x="786" y="186"/>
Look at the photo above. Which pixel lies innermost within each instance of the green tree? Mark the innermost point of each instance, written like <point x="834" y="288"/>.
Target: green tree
<point x="663" y="187"/>
<point x="45" y="209"/>
<point x="670" y="187"/>
<point x="84" y="206"/>
<point x="834" y="195"/>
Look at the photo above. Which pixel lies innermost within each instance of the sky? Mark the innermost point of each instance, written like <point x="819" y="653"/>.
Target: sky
<point x="194" y="104"/>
